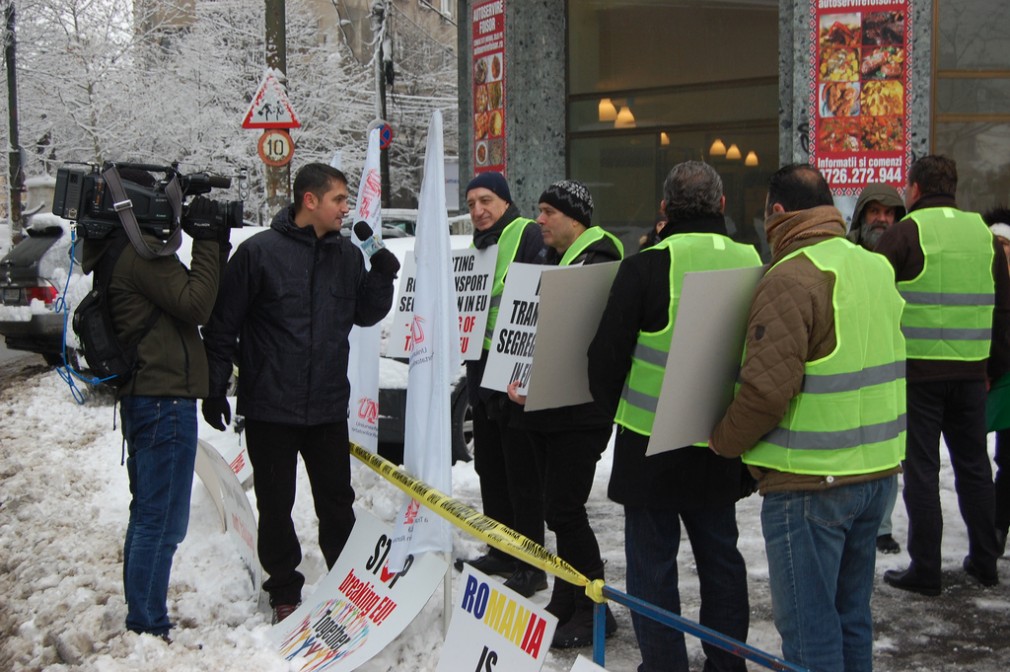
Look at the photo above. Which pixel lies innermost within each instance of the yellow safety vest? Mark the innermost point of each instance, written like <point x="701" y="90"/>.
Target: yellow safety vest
<point x="949" y="306"/>
<point x="508" y="247"/>
<point x="688" y="252"/>
<point x="849" y="417"/>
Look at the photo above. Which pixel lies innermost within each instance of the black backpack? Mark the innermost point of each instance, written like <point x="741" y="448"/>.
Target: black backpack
<point x="111" y="361"/>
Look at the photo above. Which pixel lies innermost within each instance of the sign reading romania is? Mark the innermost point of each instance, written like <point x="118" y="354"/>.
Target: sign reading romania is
<point x="860" y="66"/>
<point x="494" y="628"/>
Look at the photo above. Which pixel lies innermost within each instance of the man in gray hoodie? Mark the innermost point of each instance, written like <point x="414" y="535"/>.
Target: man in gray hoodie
<point x="879" y="206"/>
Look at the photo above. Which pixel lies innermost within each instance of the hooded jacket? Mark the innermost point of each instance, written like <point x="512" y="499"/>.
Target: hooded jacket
<point x="170" y="357"/>
<point x="884" y="194"/>
<point x="288" y="301"/>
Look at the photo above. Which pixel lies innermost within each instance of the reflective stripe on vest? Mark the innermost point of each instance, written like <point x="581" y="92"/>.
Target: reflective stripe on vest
<point x="849" y="416"/>
<point x="588" y="237"/>
<point x="688" y="252"/>
<point x="508" y="247"/>
<point x="948" y="314"/>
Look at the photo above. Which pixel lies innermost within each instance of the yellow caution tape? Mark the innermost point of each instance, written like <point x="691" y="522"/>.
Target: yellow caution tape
<point x="478" y="525"/>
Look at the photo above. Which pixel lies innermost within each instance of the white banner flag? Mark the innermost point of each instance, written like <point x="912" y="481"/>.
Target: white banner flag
<point x="363" y="363"/>
<point x="434" y="359"/>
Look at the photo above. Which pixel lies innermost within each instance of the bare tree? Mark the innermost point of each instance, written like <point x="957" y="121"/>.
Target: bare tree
<point x="130" y="80"/>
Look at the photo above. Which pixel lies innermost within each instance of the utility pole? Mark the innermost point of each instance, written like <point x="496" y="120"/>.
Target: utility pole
<point x="278" y="179"/>
<point x="16" y="174"/>
<point x="378" y="25"/>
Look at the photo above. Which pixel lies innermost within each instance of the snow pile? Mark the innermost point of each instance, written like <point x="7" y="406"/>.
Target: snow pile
<point x="64" y="512"/>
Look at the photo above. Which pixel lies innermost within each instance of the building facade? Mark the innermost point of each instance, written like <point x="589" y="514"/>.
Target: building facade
<point x="614" y="92"/>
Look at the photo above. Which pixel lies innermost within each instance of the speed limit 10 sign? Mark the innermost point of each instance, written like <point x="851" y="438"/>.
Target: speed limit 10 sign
<point x="276" y="147"/>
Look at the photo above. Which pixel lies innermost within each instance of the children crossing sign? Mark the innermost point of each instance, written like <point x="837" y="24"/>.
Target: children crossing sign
<point x="270" y="107"/>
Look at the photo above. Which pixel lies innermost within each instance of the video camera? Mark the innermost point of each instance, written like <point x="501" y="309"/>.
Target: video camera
<point x="82" y="196"/>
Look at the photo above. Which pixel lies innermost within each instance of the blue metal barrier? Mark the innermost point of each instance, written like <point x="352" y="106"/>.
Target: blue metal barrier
<point x="672" y="620"/>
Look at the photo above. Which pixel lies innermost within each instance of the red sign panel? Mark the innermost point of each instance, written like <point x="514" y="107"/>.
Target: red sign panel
<point x="489" y="86"/>
<point x="861" y="85"/>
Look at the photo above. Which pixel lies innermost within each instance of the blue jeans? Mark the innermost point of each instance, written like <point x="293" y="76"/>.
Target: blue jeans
<point x="885" y="522"/>
<point x="821" y="557"/>
<point x="160" y="437"/>
<point x="651" y="543"/>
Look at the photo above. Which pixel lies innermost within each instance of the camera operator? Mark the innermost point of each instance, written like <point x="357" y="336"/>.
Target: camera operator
<point x="158" y="403"/>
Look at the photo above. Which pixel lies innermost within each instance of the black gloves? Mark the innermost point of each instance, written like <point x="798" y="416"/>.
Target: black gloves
<point x="385" y="262"/>
<point x="216" y="412"/>
<point x="200" y="223"/>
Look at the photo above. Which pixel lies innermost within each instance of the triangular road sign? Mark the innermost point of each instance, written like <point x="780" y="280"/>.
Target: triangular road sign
<point x="270" y="107"/>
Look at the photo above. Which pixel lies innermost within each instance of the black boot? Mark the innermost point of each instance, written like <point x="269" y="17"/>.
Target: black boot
<point x="578" y="630"/>
<point x="562" y="602"/>
<point x="527" y="580"/>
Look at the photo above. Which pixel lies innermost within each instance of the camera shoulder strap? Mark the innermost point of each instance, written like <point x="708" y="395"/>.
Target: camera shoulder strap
<point x="124" y="207"/>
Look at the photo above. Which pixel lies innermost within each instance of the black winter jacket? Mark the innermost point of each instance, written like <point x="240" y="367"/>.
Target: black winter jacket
<point x="679" y="480"/>
<point x="288" y="301"/>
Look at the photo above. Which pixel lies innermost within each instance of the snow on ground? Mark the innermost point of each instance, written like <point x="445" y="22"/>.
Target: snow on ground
<point x="64" y="511"/>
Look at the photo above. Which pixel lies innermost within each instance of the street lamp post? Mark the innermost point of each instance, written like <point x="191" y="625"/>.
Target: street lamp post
<point x="378" y="25"/>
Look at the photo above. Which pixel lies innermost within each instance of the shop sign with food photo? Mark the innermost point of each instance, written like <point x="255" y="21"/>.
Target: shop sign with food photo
<point x="489" y="86"/>
<point x="859" y="131"/>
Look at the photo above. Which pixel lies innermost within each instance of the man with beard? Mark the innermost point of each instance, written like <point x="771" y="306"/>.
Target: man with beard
<point x="569" y="440"/>
<point x="879" y="206"/>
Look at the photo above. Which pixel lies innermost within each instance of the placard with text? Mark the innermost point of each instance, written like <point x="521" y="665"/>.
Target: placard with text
<point x="473" y="275"/>
<point x="359" y="607"/>
<point x="494" y="628"/>
<point x="510" y="357"/>
<point x="860" y="88"/>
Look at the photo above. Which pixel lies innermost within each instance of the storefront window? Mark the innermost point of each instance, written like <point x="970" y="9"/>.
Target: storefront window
<point x="658" y="82"/>
<point x="971" y="98"/>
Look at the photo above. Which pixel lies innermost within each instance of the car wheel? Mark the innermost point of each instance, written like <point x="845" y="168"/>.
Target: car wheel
<point x="462" y="427"/>
<point x="56" y="359"/>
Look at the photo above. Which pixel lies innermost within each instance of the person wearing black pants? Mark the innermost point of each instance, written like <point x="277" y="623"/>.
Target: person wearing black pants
<point x="568" y="440"/>
<point x="509" y="487"/>
<point x="954" y="278"/>
<point x="957" y="411"/>
<point x="290" y="296"/>
<point x="273" y="450"/>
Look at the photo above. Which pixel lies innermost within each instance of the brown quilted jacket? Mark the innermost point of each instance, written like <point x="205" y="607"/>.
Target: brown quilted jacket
<point x="791" y="322"/>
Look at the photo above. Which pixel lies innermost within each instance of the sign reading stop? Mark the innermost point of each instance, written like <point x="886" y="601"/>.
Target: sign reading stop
<point x="276" y="147"/>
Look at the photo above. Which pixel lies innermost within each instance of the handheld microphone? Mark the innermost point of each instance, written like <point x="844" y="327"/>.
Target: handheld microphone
<point x="369" y="243"/>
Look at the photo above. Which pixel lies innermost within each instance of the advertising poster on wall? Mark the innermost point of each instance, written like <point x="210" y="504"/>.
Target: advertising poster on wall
<point x="861" y="85"/>
<point x="489" y="86"/>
